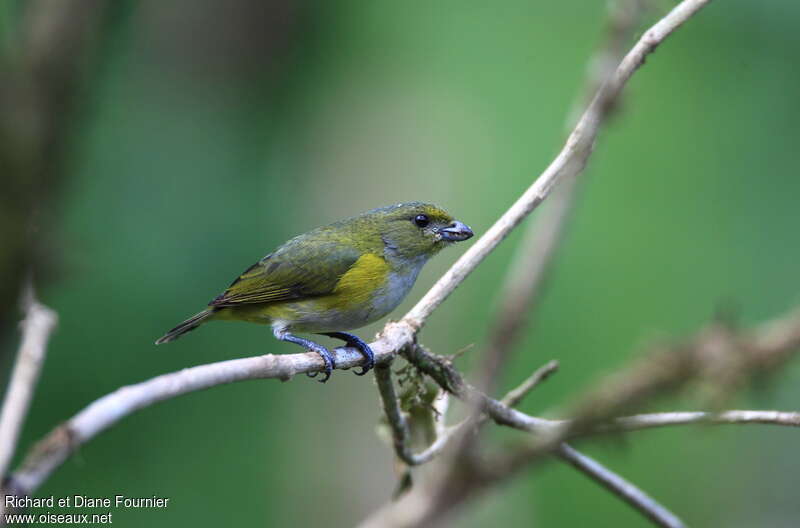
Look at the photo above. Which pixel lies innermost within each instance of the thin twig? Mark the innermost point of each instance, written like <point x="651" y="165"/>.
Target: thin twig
<point x="516" y="395"/>
<point x="511" y="399"/>
<point x="651" y="420"/>
<point x="620" y="487"/>
<point x="38" y="325"/>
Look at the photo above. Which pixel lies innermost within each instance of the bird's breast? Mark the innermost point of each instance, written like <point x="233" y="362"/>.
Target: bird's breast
<point x="375" y="286"/>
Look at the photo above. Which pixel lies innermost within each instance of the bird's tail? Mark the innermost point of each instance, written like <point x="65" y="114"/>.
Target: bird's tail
<point x="189" y="324"/>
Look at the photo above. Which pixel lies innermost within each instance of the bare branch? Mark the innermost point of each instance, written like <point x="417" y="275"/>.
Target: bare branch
<point x="524" y="281"/>
<point x="38" y="325"/>
<point x="50" y="452"/>
<point x="567" y="164"/>
<point x="647" y="421"/>
<point x="536" y="253"/>
<point x="620" y="487"/>
<point x="511" y="399"/>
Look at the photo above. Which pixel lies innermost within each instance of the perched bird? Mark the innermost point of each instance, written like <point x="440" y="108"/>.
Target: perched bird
<point x="334" y="278"/>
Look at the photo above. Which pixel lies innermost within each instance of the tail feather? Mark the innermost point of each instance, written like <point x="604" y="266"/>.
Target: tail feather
<point x="186" y="326"/>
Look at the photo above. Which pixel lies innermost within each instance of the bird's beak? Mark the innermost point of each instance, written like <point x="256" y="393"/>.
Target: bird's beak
<point x="456" y="232"/>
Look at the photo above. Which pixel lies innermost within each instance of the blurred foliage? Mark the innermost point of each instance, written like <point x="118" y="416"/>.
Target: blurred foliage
<point x="213" y="131"/>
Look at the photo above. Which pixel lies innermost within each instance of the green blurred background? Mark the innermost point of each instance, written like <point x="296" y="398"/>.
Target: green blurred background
<point x="209" y="132"/>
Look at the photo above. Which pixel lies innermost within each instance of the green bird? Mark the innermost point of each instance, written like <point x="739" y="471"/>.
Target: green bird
<point x="334" y="278"/>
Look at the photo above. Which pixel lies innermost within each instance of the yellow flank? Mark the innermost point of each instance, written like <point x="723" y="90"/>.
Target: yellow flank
<point x="357" y="286"/>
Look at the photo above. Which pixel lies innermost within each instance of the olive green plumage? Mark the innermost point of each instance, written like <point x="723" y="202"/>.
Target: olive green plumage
<point x="336" y="277"/>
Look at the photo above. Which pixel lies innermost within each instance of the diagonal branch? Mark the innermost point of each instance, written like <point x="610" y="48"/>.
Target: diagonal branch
<point x="540" y="244"/>
<point x="567" y="164"/>
<point x="535" y="256"/>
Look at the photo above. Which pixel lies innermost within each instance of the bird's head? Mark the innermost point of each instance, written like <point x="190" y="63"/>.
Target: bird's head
<point x="417" y="230"/>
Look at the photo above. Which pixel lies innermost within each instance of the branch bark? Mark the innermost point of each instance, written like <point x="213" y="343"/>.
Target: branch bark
<point x="38" y="325"/>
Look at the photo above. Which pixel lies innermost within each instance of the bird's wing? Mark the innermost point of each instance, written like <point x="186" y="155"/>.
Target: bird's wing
<point x="297" y="270"/>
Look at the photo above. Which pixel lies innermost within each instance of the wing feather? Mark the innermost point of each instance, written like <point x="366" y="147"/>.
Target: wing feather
<point x="299" y="269"/>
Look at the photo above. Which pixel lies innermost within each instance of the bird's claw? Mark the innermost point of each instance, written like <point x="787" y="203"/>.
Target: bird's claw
<point x="370" y="357"/>
<point x="330" y="364"/>
<point x="356" y="342"/>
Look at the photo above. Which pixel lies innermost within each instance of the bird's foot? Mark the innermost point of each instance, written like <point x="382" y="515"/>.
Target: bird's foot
<point x="326" y="356"/>
<point x="356" y="342"/>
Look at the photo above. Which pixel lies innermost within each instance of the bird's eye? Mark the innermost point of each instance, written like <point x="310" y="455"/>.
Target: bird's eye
<point x="422" y="220"/>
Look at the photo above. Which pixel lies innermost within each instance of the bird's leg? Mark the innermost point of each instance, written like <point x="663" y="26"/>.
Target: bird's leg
<point x="356" y="342"/>
<point x="330" y="364"/>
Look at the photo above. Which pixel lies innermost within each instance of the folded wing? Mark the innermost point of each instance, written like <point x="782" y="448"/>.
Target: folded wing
<point x="299" y="269"/>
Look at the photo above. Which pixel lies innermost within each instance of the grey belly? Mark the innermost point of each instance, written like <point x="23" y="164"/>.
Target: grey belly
<point x="385" y="299"/>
